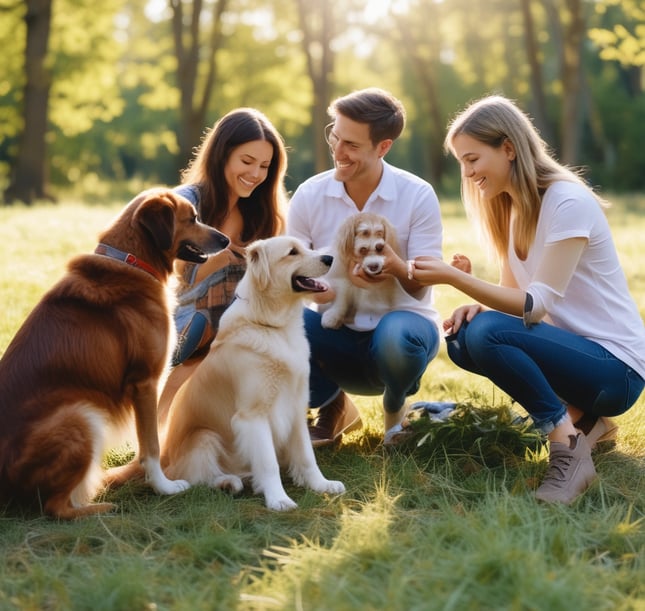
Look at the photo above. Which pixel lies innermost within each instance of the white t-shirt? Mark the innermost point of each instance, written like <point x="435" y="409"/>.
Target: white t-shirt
<point x="597" y="303"/>
<point x="320" y="205"/>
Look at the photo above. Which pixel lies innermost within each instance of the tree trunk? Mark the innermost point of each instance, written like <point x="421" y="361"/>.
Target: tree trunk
<point x="572" y="108"/>
<point x="29" y="176"/>
<point x="316" y="23"/>
<point x="568" y="24"/>
<point x="535" y="70"/>
<point x="193" y="103"/>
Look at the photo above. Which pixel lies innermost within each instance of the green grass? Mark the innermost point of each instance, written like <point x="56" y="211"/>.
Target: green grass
<point x="447" y="523"/>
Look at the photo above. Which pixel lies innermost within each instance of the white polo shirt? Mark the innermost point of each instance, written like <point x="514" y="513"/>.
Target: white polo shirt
<point x="320" y="205"/>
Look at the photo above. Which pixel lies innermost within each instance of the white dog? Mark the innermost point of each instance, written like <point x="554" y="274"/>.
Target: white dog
<point x="360" y="241"/>
<point x="243" y="412"/>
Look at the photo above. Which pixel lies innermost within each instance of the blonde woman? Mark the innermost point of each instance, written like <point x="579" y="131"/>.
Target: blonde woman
<point x="560" y="333"/>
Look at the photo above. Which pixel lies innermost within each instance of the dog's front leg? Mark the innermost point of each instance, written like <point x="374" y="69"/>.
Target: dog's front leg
<point x="340" y="309"/>
<point x="255" y="445"/>
<point x="303" y="467"/>
<point x="145" y="412"/>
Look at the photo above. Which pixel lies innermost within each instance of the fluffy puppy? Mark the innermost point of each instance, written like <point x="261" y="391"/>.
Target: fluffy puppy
<point x="242" y="413"/>
<point x="92" y="353"/>
<point x="360" y="241"/>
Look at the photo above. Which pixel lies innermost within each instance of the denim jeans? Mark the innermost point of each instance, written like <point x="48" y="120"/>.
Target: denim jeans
<point x="391" y="359"/>
<point x="544" y="368"/>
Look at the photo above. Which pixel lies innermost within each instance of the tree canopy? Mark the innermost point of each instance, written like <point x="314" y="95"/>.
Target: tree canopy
<point x="123" y="90"/>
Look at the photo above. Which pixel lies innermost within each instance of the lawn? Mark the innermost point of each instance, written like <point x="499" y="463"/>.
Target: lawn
<point x="446" y="522"/>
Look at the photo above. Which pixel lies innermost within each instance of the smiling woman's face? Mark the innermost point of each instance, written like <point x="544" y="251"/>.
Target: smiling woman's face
<point x="488" y="167"/>
<point x="247" y="167"/>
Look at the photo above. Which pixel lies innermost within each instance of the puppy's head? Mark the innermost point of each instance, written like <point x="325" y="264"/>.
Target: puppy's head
<point x="362" y="239"/>
<point x="282" y="264"/>
<point x="170" y="221"/>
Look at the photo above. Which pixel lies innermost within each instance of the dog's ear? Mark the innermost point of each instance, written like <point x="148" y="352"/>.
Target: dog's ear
<point x="346" y="237"/>
<point x="258" y="264"/>
<point x="156" y="214"/>
<point x="391" y="237"/>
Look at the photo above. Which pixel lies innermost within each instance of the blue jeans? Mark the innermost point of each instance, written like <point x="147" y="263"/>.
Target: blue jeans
<point x="391" y="359"/>
<point x="544" y="368"/>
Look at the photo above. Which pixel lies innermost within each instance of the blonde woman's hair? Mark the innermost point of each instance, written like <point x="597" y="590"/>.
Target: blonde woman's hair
<point x="493" y="120"/>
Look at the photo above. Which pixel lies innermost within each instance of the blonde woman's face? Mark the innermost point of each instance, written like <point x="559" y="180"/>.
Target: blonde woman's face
<point x="489" y="168"/>
<point x="247" y="167"/>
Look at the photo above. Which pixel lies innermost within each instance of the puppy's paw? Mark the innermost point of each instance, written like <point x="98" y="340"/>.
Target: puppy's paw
<point x="283" y="503"/>
<point x="331" y="319"/>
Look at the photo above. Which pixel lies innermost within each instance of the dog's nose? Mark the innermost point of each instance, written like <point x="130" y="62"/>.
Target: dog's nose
<point x="327" y="260"/>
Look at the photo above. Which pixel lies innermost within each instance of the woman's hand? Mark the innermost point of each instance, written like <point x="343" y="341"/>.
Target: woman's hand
<point x="430" y="270"/>
<point x="462" y="313"/>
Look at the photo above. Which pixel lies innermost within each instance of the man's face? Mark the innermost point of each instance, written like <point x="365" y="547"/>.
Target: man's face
<point x="355" y="156"/>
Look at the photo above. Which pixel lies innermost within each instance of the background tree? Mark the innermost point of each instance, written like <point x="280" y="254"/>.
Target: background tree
<point x="196" y="55"/>
<point x="318" y="29"/>
<point x="623" y="39"/>
<point x="133" y="85"/>
<point x="29" y="176"/>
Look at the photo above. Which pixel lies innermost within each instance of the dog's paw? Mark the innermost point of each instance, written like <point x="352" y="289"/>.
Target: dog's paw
<point x="283" y="503"/>
<point x="170" y="486"/>
<point x="330" y="486"/>
<point x="228" y="482"/>
<point x="331" y="319"/>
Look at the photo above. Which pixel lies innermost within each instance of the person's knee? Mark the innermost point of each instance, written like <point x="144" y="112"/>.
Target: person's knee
<point x="482" y="331"/>
<point x="191" y="338"/>
<point x="405" y="335"/>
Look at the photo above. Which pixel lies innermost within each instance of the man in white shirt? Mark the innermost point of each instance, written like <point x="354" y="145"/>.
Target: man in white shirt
<point x="382" y="354"/>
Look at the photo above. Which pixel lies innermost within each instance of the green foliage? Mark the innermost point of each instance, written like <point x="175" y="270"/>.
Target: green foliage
<point x="476" y="435"/>
<point x="624" y="39"/>
<point x="114" y="107"/>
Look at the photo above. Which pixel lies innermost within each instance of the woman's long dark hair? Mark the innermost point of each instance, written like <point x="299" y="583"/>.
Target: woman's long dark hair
<point x="262" y="211"/>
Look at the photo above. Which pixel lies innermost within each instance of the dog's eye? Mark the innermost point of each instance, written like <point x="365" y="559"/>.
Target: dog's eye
<point x="293" y="251"/>
<point x="363" y="250"/>
<point x="380" y="247"/>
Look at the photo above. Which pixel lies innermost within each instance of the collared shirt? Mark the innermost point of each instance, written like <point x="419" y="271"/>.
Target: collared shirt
<point x="320" y="205"/>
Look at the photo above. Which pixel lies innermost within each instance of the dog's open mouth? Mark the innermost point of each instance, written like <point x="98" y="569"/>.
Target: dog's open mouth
<point x="189" y="252"/>
<point x="311" y="285"/>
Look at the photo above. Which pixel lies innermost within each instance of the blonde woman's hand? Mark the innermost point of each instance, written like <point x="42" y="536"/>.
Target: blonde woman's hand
<point x="428" y="270"/>
<point x="462" y="314"/>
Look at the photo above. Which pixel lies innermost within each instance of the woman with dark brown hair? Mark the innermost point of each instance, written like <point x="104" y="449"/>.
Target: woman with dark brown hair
<point x="236" y="182"/>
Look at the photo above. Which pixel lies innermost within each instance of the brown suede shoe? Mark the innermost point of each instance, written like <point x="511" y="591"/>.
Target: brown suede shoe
<point x="338" y="417"/>
<point x="570" y="473"/>
<point x="600" y="430"/>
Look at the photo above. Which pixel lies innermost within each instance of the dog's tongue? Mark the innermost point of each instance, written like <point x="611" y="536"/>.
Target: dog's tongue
<point x="309" y="284"/>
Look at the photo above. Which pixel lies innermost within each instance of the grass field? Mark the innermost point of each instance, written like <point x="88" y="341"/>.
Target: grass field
<point x="447" y="524"/>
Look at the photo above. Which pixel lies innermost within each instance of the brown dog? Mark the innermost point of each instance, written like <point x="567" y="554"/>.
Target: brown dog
<point x="94" y="350"/>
